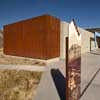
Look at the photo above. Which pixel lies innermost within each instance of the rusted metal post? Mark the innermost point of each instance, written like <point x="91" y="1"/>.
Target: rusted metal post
<point x="73" y="63"/>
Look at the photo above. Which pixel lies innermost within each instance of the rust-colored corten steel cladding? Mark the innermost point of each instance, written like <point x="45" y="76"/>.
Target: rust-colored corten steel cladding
<point x="38" y="37"/>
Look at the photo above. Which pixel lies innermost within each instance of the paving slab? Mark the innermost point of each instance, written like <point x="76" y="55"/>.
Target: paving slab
<point x="89" y="65"/>
<point x="90" y="75"/>
<point x="46" y="89"/>
<point x="24" y="67"/>
<point x="53" y="83"/>
<point x="93" y="92"/>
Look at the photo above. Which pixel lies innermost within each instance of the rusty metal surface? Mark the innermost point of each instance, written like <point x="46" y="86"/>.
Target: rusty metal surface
<point x="53" y="37"/>
<point x="73" y="65"/>
<point x="38" y="37"/>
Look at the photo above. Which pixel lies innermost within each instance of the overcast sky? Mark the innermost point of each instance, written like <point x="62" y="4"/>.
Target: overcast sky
<point x="85" y="12"/>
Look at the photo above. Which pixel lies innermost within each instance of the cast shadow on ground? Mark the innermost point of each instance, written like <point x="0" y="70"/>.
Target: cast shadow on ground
<point x="60" y="83"/>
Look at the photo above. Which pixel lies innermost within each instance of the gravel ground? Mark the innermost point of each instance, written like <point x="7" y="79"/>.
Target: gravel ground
<point x="18" y="85"/>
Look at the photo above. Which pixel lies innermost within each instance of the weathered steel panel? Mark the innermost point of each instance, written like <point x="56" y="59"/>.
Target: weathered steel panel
<point x="53" y="37"/>
<point x="13" y="39"/>
<point x="33" y="38"/>
<point x="34" y="34"/>
<point x="73" y="63"/>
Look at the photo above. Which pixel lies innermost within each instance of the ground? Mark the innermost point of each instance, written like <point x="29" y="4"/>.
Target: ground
<point x="7" y="59"/>
<point x="18" y="85"/>
<point x="11" y="82"/>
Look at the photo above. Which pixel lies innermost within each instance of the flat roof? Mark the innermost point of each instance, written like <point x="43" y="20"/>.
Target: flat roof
<point x="94" y="29"/>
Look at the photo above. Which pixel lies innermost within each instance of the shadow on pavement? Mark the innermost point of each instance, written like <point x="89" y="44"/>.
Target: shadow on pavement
<point x="60" y="83"/>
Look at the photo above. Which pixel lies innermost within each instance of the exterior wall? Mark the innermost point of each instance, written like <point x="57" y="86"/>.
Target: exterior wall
<point x="42" y="37"/>
<point x="87" y="40"/>
<point x="64" y="28"/>
<point x="37" y="38"/>
<point x="72" y="31"/>
<point x="52" y="37"/>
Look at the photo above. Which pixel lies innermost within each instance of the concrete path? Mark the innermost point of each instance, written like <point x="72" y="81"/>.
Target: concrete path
<point x="90" y="63"/>
<point x="93" y="91"/>
<point x="90" y="76"/>
<point x="52" y="85"/>
<point x="46" y="89"/>
<point x="24" y="67"/>
<point x="58" y="65"/>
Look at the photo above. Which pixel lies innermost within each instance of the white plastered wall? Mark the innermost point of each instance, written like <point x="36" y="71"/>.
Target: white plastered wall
<point x="85" y="39"/>
<point x="64" y="27"/>
<point x="74" y="38"/>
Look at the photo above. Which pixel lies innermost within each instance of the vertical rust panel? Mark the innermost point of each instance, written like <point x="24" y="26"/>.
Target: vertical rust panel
<point x="34" y="34"/>
<point x="38" y="37"/>
<point x="18" y="39"/>
<point x="13" y="39"/>
<point x="53" y="37"/>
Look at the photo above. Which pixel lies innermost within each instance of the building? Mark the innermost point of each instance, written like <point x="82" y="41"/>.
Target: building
<point x="43" y="37"/>
<point x="96" y="32"/>
<point x="38" y="37"/>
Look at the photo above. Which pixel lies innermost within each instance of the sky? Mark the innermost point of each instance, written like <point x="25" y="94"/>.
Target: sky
<point x="85" y="12"/>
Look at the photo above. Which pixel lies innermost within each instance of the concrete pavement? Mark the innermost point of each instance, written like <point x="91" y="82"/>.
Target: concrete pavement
<point x="24" y="67"/>
<point x="89" y="66"/>
<point x="93" y="91"/>
<point x="52" y="85"/>
<point x="46" y="89"/>
<point x="90" y="76"/>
